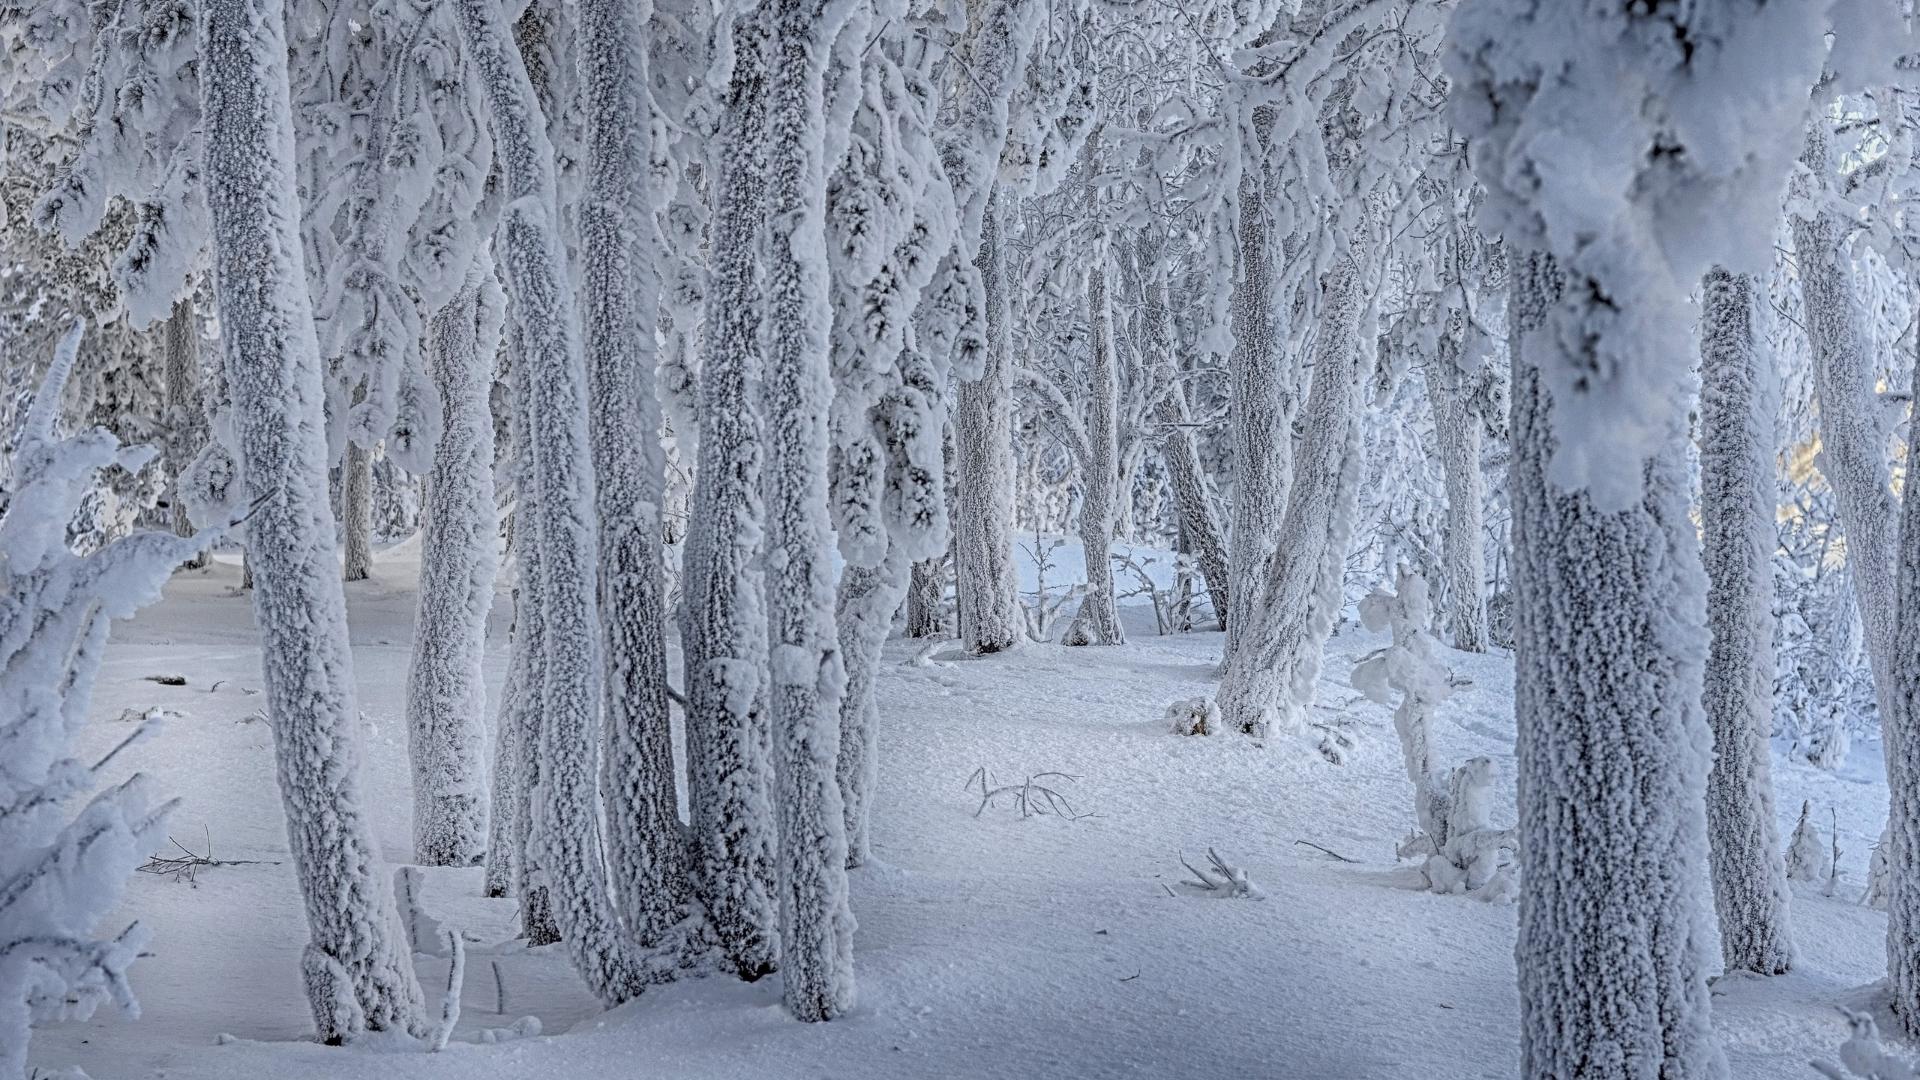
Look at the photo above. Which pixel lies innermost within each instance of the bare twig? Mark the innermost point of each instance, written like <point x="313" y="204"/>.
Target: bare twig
<point x="1329" y="851"/>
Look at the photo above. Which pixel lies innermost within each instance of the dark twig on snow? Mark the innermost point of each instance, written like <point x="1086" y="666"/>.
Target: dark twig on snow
<point x="1029" y="798"/>
<point x="186" y="865"/>
<point x="1329" y="851"/>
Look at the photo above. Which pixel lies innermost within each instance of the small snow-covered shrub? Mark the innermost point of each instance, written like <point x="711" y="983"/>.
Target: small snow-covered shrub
<point x="1194" y="716"/>
<point x="1862" y="1057"/>
<point x="1808" y="858"/>
<point x="61" y="871"/>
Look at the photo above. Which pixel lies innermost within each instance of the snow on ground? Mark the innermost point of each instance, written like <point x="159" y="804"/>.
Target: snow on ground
<point x="989" y="945"/>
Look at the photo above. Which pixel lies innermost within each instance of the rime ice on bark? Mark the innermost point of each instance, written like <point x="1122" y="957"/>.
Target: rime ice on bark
<point x="446" y="686"/>
<point x="984" y="588"/>
<point x="1098" y="621"/>
<point x="806" y="678"/>
<point x="358" y="977"/>
<point x="723" y="628"/>
<point x="1737" y="497"/>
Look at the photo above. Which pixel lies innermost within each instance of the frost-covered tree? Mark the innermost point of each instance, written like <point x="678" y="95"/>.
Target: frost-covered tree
<point x="1609" y="601"/>
<point x="358" y="975"/>
<point x="446" y="687"/>
<point x="807" y="678"/>
<point x="1737" y="490"/>
<point x="723" y="629"/>
<point x="62" y="871"/>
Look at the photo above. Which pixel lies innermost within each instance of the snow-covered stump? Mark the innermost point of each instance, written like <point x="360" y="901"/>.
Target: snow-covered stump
<point x="60" y="873"/>
<point x="723" y="630"/>
<point x="1272" y="668"/>
<point x="986" y="595"/>
<point x="619" y="247"/>
<point x="567" y="840"/>
<point x="1737" y="497"/>
<point x="358" y="978"/>
<point x="807" y="680"/>
<point x="864" y="607"/>
<point x="356" y="512"/>
<point x="446" y="685"/>
<point x="1808" y="856"/>
<point x="1612" y="754"/>
<point x="1098" y="620"/>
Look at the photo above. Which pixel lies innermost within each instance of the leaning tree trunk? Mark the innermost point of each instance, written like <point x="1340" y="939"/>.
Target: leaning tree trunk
<point x="569" y="690"/>
<point x="446" y="685"/>
<point x="1737" y="500"/>
<point x="186" y="414"/>
<point x="358" y="976"/>
<point x="1456" y="428"/>
<point x="985" y="590"/>
<point x="1098" y="620"/>
<point x="356" y="511"/>
<point x="807" y="677"/>
<point x="1272" y="673"/>
<point x="1607" y="682"/>
<point x="646" y="849"/>
<point x="1198" y="521"/>
<point x="723" y="630"/>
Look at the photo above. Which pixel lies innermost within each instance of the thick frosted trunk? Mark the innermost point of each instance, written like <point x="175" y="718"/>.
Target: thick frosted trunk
<point x="808" y="679"/>
<point x="984" y="585"/>
<point x="864" y="609"/>
<point x="1262" y="440"/>
<point x="446" y="685"/>
<point x="1272" y="672"/>
<point x="1612" y="755"/>
<point x="1456" y="430"/>
<point x="569" y="687"/>
<point x="724" y="632"/>
<point x="1902" y="840"/>
<point x="1098" y="621"/>
<point x="356" y="510"/>
<point x="358" y="976"/>
<point x="646" y="849"/>
<point x="1737" y="500"/>
<point x="1199" y="524"/>
<point x="528" y="671"/>
<point x="186" y="425"/>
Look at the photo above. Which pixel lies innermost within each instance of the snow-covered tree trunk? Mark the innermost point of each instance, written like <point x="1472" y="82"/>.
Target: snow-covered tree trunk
<point x="807" y="677"/>
<point x="528" y="673"/>
<point x="864" y="607"/>
<point x="1199" y="523"/>
<point x="186" y="417"/>
<point x="985" y="589"/>
<point x="1262" y="440"/>
<point x="1901" y="842"/>
<point x="1456" y="429"/>
<point x="724" y="633"/>
<point x="446" y="684"/>
<point x="356" y="511"/>
<point x="1611" y="750"/>
<point x="1271" y="673"/>
<point x="569" y="689"/>
<point x="646" y="850"/>
<point x="503" y="843"/>
<point x="1098" y="620"/>
<point x="1853" y="445"/>
<point x="358" y="974"/>
<point x="1737" y="501"/>
<point x="924" y="595"/>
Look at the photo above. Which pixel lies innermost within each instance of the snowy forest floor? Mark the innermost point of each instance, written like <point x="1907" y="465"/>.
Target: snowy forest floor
<point x="989" y="945"/>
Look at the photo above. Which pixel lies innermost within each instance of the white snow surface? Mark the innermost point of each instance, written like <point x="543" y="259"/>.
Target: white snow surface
<point x="988" y="946"/>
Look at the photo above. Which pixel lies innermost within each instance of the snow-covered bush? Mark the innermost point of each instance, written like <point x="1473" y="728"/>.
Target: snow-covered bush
<point x="1463" y="851"/>
<point x="1194" y="716"/>
<point x="60" y="872"/>
<point x="1807" y="856"/>
<point x="1862" y="1057"/>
